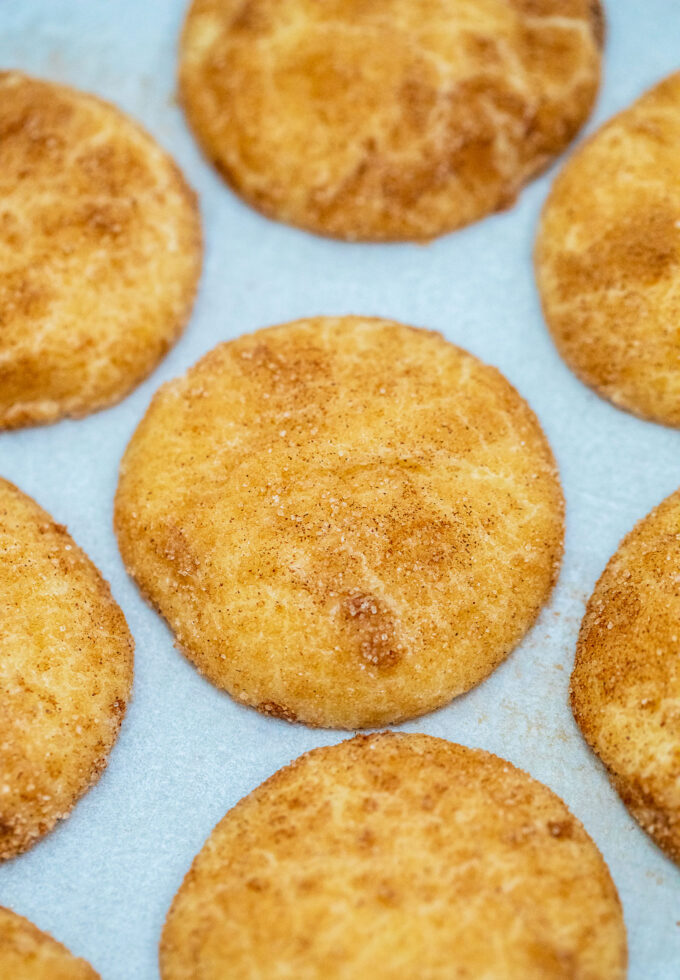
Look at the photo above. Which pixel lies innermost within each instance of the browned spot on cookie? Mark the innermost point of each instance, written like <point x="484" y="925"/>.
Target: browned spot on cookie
<point x="117" y="711"/>
<point x="52" y="528"/>
<point x="374" y="629"/>
<point x="551" y="50"/>
<point x="552" y="8"/>
<point x="106" y="222"/>
<point x="6" y="828"/>
<point x="176" y="549"/>
<point x="561" y="828"/>
<point x="110" y="169"/>
<point x="23" y="293"/>
<point x="387" y="895"/>
<point x="598" y="21"/>
<point x="285" y="370"/>
<point x="418" y="98"/>
<point x="643" y="248"/>
<point x="257" y="884"/>
<point x="276" y="711"/>
<point x="651" y="810"/>
<point x="552" y="961"/>
<point x="384" y="778"/>
<point x="483" y="47"/>
<point x="248" y="18"/>
<point x="30" y="137"/>
<point x="613" y="617"/>
<point x="428" y="542"/>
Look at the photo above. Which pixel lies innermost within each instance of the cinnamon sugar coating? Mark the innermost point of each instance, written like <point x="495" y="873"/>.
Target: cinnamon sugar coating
<point x="393" y="856"/>
<point x="100" y="252"/>
<point x="65" y="672"/>
<point x="625" y="688"/>
<point x="27" y="953"/>
<point x="608" y="258"/>
<point x="387" y="120"/>
<point x="345" y="521"/>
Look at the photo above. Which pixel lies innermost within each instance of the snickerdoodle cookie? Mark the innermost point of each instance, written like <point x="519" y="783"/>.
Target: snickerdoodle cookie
<point x="393" y="856"/>
<point x="345" y="521"/>
<point x="608" y="258"/>
<point x="387" y="119"/>
<point x="625" y="688"/>
<point x="65" y="672"/>
<point x="100" y="252"/>
<point x="26" y="953"/>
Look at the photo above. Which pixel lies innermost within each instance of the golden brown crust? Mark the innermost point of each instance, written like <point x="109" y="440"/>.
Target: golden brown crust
<point x="387" y="119"/>
<point x="27" y="953"/>
<point x="394" y="856"/>
<point x="625" y="688"/>
<point x="346" y="522"/>
<point x="65" y="672"/>
<point x="100" y="252"/>
<point x="608" y="258"/>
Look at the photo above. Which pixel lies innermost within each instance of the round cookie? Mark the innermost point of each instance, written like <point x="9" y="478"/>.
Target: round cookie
<point x="383" y="120"/>
<point x="397" y="856"/>
<point x="625" y="688"/>
<point x="346" y="521"/>
<point x="26" y="953"/>
<point x="608" y="258"/>
<point x="100" y="252"/>
<point x="65" y="672"/>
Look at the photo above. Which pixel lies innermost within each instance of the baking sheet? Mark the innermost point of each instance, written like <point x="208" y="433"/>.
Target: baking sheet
<point x="102" y="882"/>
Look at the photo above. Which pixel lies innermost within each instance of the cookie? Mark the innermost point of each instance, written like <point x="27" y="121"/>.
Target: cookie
<point x="387" y="120"/>
<point x="608" y="258"/>
<point x="26" y="953"/>
<point x="100" y="252"/>
<point x="345" y="521"/>
<point x="65" y="672"/>
<point x="397" y="856"/>
<point x="625" y="688"/>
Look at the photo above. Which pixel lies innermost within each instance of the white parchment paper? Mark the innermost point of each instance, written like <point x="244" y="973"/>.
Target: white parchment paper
<point x="102" y="882"/>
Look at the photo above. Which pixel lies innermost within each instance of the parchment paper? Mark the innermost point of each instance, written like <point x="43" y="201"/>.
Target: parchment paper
<point x="102" y="882"/>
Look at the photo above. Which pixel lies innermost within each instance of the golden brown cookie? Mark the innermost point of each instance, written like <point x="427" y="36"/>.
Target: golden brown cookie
<point x="26" y="953"/>
<point x="100" y="252"/>
<point x="608" y="258"/>
<point x="346" y="521"/>
<point x="387" y="119"/>
<point x="393" y="856"/>
<point x="65" y="672"/>
<point x="625" y="688"/>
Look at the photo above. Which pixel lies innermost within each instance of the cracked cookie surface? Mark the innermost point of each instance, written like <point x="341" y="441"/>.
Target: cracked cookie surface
<point x="393" y="856"/>
<point x="387" y="119"/>
<point x="100" y="252"/>
<point x="27" y="953"/>
<point x="65" y="672"/>
<point x="608" y="258"/>
<point x="345" y="521"/>
<point x="625" y="688"/>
